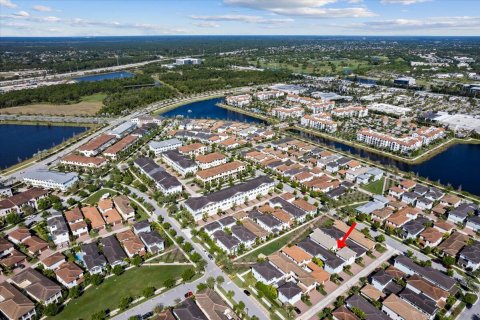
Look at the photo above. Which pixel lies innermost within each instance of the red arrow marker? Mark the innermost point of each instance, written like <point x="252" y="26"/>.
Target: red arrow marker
<point x="341" y="242"/>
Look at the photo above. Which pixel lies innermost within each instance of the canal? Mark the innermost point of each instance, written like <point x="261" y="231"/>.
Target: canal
<point x="458" y="166"/>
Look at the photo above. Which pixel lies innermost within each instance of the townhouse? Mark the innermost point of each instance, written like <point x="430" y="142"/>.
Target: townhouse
<point x="398" y="309"/>
<point x="179" y="163"/>
<point x="210" y="160"/>
<point x="193" y="149"/>
<point x="224" y="172"/>
<point x="226" y="198"/>
<point x="164" y="181"/>
<point x="97" y="145"/>
<point x="245" y="236"/>
<point x="158" y="147"/>
<point x="124" y="144"/>
<point x="470" y="256"/>
<point x="226" y="242"/>
<point x="74" y="160"/>
<point x="267" y="273"/>
<point x="50" y="179"/>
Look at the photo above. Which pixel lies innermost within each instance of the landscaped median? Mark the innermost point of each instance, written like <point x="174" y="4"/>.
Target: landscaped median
<point x="108" y="295"/>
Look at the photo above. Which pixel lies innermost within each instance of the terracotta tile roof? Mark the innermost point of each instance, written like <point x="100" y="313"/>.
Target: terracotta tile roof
<point x="112" y="216"/>
<point x="297" y="254"/>
<point x="191" y="147"/>
<point x="318" y="273"/>
<point x="97" y="161"/>
<point x="372" y="293"/>
<point x="431" y="235"/>
<point x="120" y="145"/>
<point x="221" y="169"/>
<point x="92" y="214"/>
<point x="342" y="313"/>
<point x="53" y="259"/>
<point x="453" y="244"/>
<point x="13" y="259"/>
<point x="427" y="288"/>
<point x="69" y="272"/>
<point x="105" y="204"/>
<point x="451" y="199"/>
<point x="19" y="234"/>
<point x="97" y="142"/>
<point x="73" y="215"/>
<point x="408" y="184"/>
<point x="356" y="235"/>
<point x="304" y="205"/>
<point x="13" y="303"/>
<point x="211" y="157"/>
<point x="35" y="244"/>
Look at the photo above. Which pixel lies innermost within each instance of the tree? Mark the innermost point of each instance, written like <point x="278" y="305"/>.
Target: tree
<point x="380" y="238"/>
<point x="96" y="279"/>
<point x="448" y="261"/>
<point x="50" y="310"/>
<point x="136" y="260"/>
<point x="74" y="292"/>
<point x="100" y="315"/>
<point x="148" y="292"/>
<point x="201" y="286"/>
<point x="169" y="283"/>
<point x="125" y="302"/>
<point x="117" y="270"/>
<point x="13" y="218"/>
<point x="211" y="282"/>
<point x="470" y="299"/>
<point x="188" y="274"/>
<point x="220" y="280"/>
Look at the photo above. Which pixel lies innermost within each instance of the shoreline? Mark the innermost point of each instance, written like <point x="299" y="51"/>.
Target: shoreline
<point x="248" y="113"/>
<point x="92" y="128"/>
<point x="167" y="108"/>
<point x="49" y="123"/>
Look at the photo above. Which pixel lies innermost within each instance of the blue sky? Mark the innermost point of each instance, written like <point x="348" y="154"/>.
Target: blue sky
<point x="239" y="17"/>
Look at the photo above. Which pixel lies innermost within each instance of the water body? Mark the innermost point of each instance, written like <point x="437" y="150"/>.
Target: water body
<point x="458" y="166"/>
<point x="207" y="109"/>
<point x="20" y="142"/>
<point x="105" y="76"/>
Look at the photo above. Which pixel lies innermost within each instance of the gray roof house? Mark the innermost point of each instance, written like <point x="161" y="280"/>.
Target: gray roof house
<point x="113" y="251"/>
<point x="94" y="261"/>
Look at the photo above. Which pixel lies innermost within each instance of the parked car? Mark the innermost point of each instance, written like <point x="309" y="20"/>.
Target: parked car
<point x="188" y="294"/>
<point x="247" y="292"/>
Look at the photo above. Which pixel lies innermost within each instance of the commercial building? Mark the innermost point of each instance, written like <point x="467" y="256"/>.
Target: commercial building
<point x="123" y="129"/>
<point x="385" y="141"/>
<point x="226" y="198"/>
<point x="350" y="111"/>
<point x="389" y="109"/>
<point x="288" y="113"/>
<point x="51" y="179"/>
<point x="187" y="61"/>
<point x="405" y="81"/>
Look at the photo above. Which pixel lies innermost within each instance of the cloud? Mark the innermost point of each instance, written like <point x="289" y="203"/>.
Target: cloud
<point x="41" y="8"/>
<point x="21" y="14"/>
<point x="305" y="8"/>
<point x="404" y="2"/>
<point x="242" y="18"/>
<point x="472" y="24"/>
<point x="207" y="24"/>
<point x="8" y="4"/>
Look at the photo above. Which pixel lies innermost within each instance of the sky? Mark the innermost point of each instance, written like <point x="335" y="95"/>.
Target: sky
<point x="239" y="17"/>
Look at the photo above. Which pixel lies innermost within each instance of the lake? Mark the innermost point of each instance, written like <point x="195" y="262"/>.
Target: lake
<point x="458" y="166"/>
<point x="207" y="109"/>
<point x="21" y="142"/>
<point x="105" y="76"/>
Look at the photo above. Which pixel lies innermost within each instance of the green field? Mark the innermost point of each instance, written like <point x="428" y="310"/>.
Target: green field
<point x="269" y="248"/>
<point x="111" y="291"/>
<point x="375" y="186"/>
<point x="98" y="97"/>
<point x="94" y="197"/>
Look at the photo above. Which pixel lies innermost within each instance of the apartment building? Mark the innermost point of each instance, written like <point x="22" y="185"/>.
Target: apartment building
<point x="179" y="163"/>
<point x="319" y="122"/>
<point x="193" y="149"/>
<point x="350" y="111"/>
<point x="288" y="113"/>
<point x="83" y="161"/>
<point x="386" y="141"/>
<point x="158" y="147"/>
<point x="239" y="100"/>
<point x="122" y="145"/>
<point x="267" y="95"/>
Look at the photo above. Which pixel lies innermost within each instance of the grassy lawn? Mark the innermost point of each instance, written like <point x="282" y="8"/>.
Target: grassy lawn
<point x="97" y="97"/>
<point x="375" y="186"/>
<point x="173" y="256"/>
<point x="94" y="197"/>
<point x="112" y="290"/>
<point x="269" y="248"/>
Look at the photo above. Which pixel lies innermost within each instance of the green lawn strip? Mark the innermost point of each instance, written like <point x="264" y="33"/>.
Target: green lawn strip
<point x="269" y="248"/>
<point x="94" y="197"/>
<point x="112" y="290"/>
<point x="97" y="97"/>
<point x="375" y="186"/>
